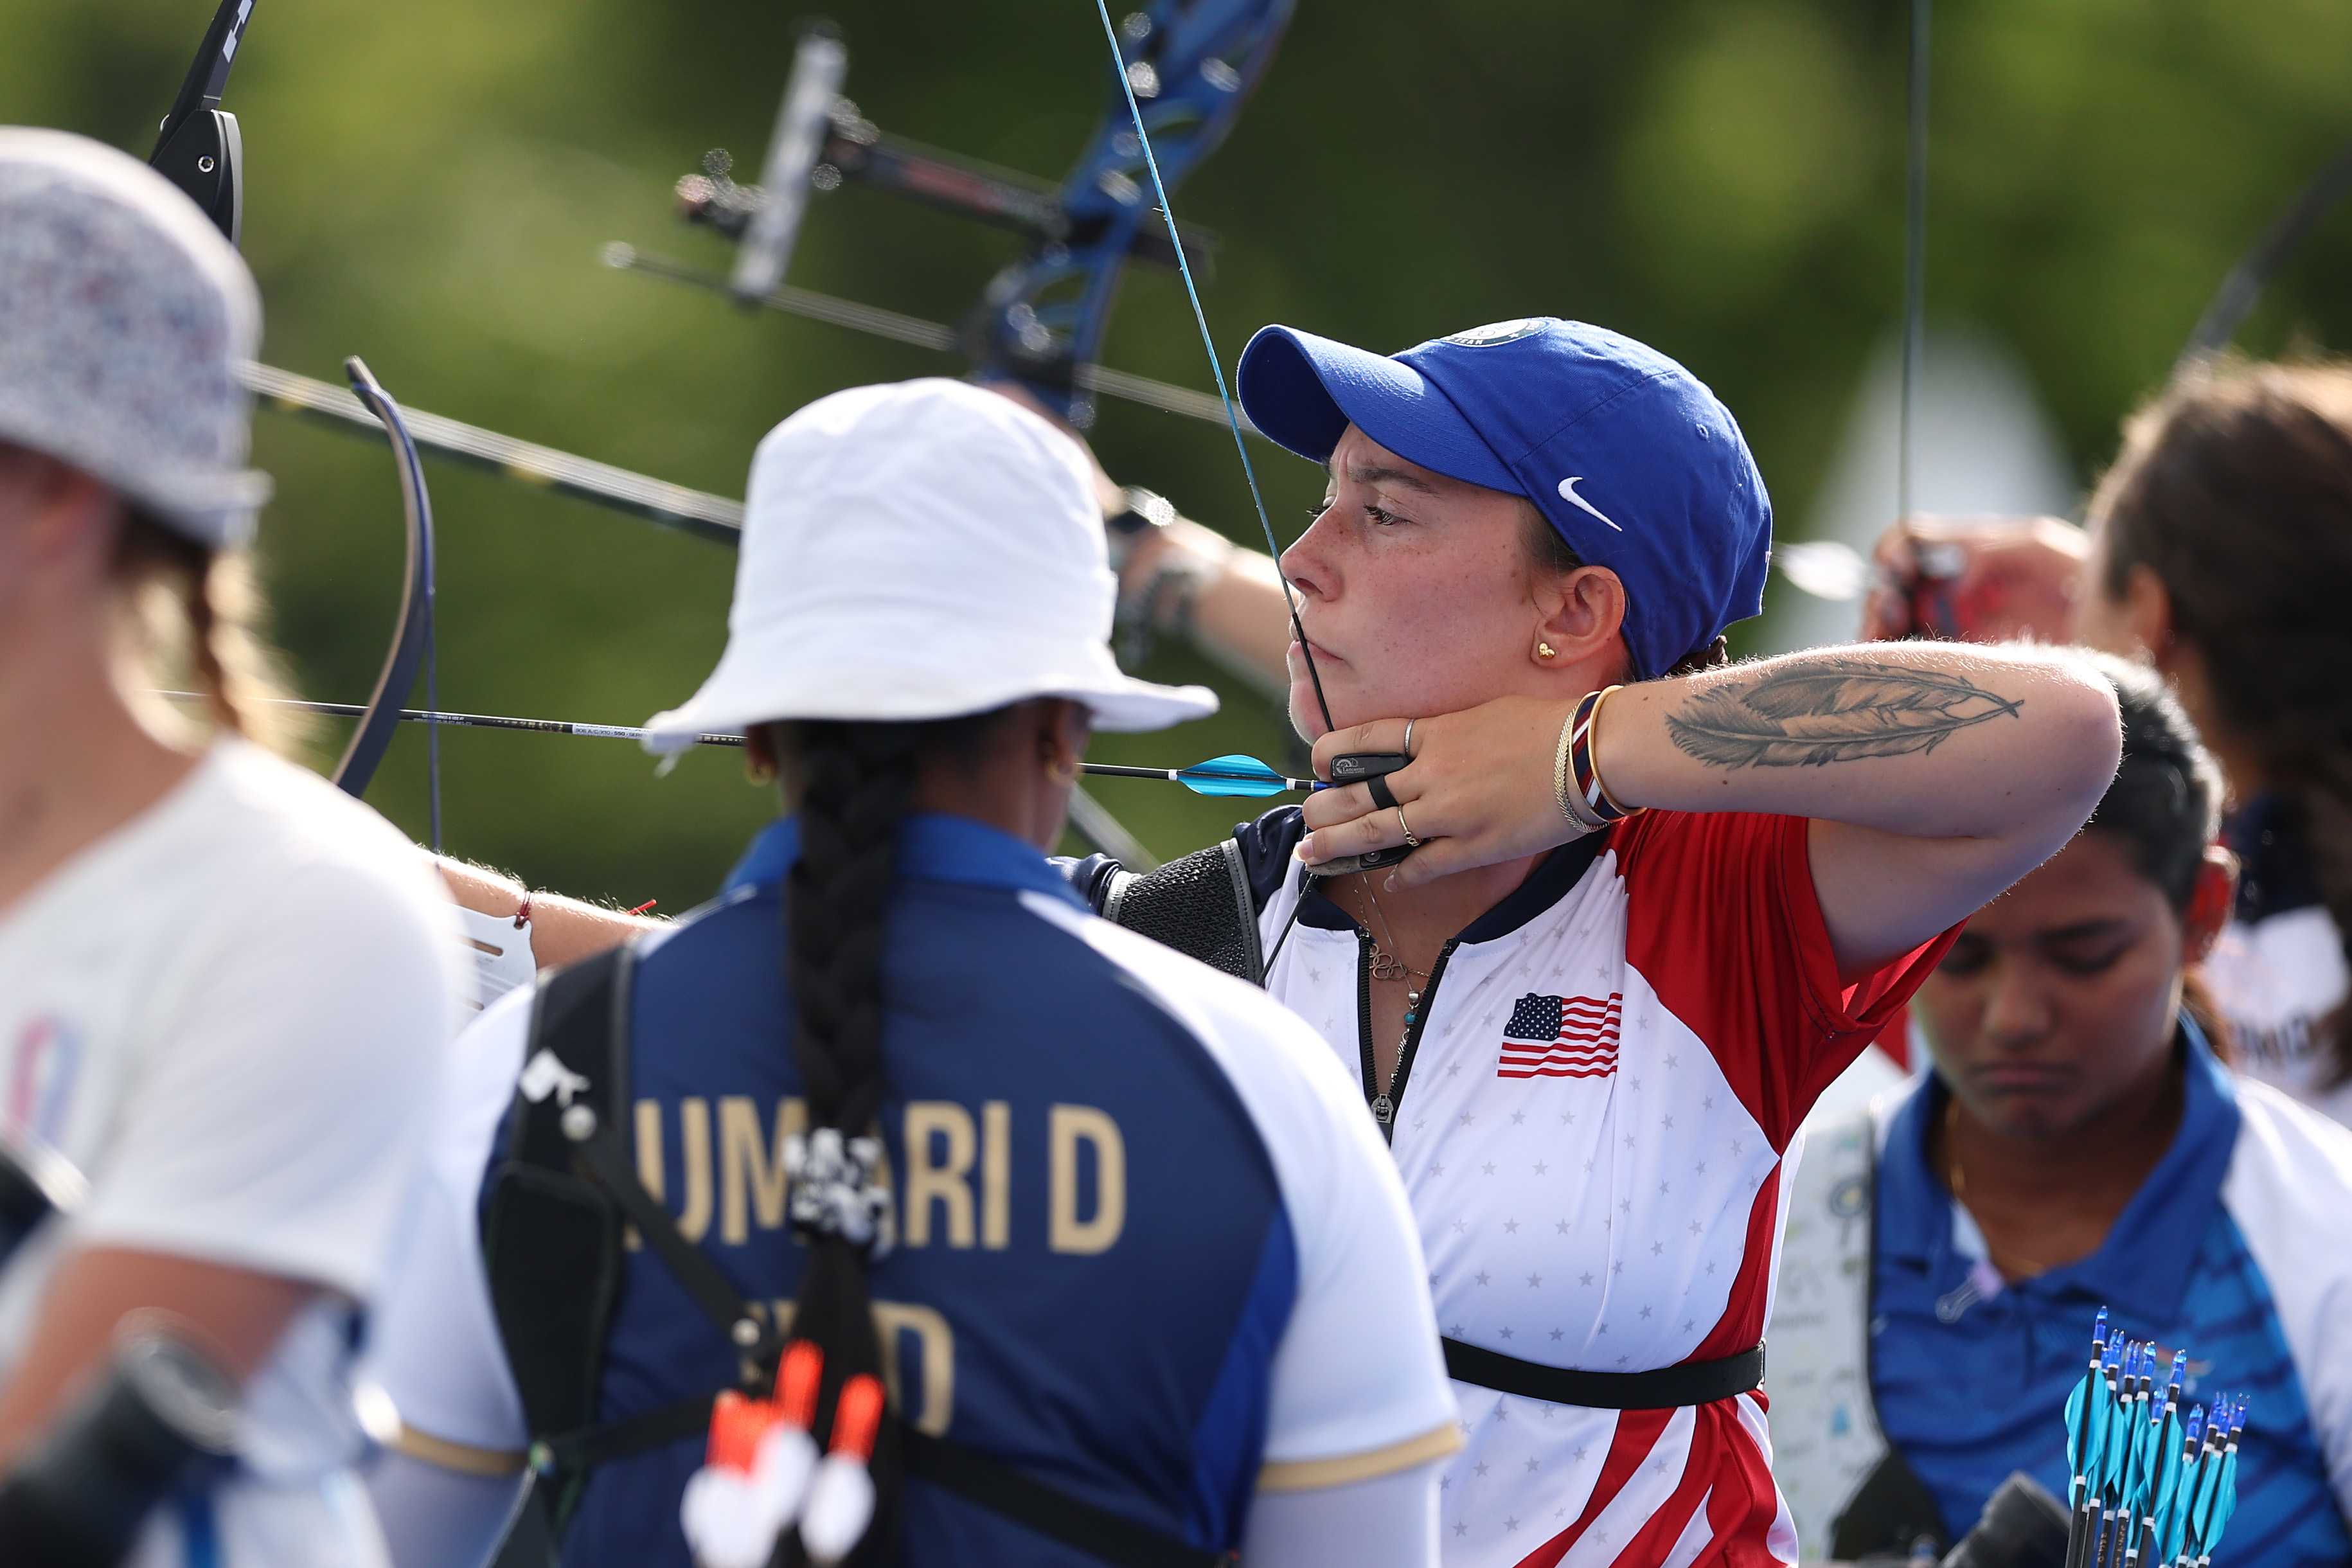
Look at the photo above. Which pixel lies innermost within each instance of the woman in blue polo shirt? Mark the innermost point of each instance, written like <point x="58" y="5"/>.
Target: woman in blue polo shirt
<point x="2078" y="1146"/>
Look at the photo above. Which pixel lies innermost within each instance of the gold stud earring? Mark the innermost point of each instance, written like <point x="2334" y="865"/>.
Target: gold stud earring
<point x="1544" y="650"/>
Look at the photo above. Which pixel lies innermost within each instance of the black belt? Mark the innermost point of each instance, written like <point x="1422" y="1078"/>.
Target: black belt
<point x="1667" y="1388"/>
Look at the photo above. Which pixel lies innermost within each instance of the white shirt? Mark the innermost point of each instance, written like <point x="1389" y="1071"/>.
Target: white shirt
<point x="2276" y="978"/>
<point x="1592" y="1130"/>
<point x="230" y="1013"/>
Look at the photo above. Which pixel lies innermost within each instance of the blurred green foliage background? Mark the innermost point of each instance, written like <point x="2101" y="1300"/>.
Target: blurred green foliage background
<point x="429" y="183"/>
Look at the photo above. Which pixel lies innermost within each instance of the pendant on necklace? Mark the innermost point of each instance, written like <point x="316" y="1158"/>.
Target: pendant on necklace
<point x="1387" y="968"/>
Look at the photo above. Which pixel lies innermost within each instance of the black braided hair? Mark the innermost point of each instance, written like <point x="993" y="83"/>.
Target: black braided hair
<point x="856" y="783"/>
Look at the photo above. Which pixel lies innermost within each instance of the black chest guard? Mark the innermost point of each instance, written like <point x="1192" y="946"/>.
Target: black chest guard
<point x="1200" y="904"/>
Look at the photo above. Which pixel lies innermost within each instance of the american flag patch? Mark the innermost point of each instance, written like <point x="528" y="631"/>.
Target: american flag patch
<point x="1561" y="1037"/>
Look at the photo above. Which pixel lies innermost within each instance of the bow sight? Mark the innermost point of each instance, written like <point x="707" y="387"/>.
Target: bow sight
<point x="822" y="142"/>
<point x="1040" y="321"/>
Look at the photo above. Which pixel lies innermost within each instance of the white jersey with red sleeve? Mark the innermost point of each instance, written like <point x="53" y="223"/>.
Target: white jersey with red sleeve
<point x="1591" y="1121"/>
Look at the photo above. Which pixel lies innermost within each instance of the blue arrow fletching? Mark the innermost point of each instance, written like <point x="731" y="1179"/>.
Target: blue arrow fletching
<point x="2173" y="1520"/>
<point x="2078" y="1407"/>
<point x="1235" y="776"/>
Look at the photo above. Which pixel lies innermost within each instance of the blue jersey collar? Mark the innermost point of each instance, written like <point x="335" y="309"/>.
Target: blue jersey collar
<point x="2147" y="1257"/>
<point x="932" y="847"/>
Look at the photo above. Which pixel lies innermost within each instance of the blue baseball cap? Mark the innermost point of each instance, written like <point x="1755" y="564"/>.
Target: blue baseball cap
<point x="1629" y="456"/>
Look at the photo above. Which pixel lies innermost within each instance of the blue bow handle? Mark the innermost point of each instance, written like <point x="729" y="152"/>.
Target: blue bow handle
<point x="1191" y="64"/>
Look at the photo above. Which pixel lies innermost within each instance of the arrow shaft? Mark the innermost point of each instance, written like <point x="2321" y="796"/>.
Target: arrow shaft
<point x="633" y="733"/>
<point x="1112" y="771"/>
<point x="905" y="329"/>
<point x="473" y="721"/>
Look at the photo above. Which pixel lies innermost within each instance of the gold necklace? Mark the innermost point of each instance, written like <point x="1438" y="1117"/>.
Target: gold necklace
<point x="1956" y="1178"/>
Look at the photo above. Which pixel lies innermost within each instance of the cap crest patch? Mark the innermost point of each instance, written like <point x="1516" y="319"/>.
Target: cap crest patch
<point x="1498" y="333"/>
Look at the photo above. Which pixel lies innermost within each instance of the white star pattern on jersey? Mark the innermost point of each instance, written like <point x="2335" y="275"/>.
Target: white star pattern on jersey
<point x="1613" y="1223"/>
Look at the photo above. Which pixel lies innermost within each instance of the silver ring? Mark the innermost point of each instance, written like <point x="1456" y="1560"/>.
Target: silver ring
<point x="1407" y="747"/>
<point x="1410" y="841"/>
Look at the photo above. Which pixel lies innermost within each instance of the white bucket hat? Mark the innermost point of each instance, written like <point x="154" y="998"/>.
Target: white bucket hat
<point x="919" y="551"/>
<point x="124" y="320"/>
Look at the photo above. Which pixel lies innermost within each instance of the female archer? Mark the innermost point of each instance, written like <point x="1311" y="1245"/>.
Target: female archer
<point x="1652" y="905"/>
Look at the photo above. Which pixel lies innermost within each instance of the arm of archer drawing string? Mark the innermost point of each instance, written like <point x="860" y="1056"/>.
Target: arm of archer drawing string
<point x="1225" y="598"/>
<point x="1935" y="776"/>
<point x="1191" y="580"/>
<point x="562" y="930"/>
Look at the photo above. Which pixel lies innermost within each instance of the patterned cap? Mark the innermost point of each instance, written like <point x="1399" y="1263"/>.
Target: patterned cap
<point x="124" y="319"/>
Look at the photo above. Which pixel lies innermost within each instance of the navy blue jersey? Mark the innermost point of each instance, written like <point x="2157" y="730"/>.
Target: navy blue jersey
<point x="1148" y="1248"/>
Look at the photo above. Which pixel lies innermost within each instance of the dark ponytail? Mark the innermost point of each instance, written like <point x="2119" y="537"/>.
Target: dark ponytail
<point x="853" y="784"/>
<point x="857" y="784"/>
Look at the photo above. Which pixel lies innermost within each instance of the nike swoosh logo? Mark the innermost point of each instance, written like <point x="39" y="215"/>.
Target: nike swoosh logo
<point x="1568" y="494"/>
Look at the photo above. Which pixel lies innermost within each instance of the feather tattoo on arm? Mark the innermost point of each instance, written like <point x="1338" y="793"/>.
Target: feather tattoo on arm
<point x="1808" y="716"/>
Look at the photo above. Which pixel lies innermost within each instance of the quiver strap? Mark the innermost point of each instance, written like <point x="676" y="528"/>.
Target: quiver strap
<point x="550" y="1236"/>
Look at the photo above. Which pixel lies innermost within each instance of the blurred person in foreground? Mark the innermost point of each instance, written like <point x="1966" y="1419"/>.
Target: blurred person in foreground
<point x="2219" y="550"/>
<point x="2078" y="1145"/>
<point x="1642" y="924"/>
<point x="1143" y="1249"/>
<point x="225" y="987"/>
